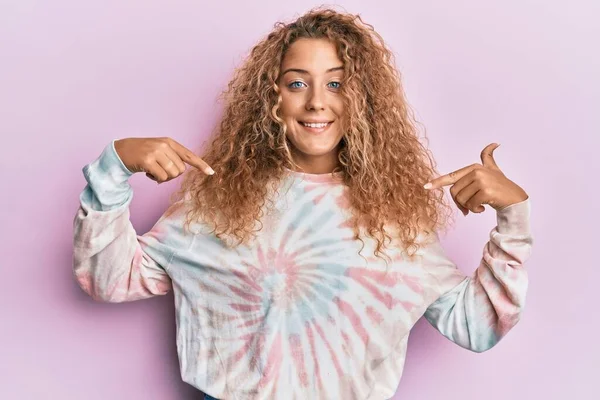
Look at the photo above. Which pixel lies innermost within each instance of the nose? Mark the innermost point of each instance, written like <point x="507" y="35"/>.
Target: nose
<point x="315" y="101"/>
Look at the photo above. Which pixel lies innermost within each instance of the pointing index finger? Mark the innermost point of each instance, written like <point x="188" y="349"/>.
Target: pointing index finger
<point x="190" y="158"/>
<point x="448" y="179"/>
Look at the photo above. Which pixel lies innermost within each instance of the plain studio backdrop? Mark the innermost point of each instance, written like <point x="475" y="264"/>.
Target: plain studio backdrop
<point x="76" y="74"/>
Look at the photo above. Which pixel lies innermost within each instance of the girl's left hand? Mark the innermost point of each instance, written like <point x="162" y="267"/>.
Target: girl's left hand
<point x="477" y="184"/>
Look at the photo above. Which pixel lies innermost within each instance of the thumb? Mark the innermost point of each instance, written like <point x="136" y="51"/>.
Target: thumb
<point x="487" y="157"/>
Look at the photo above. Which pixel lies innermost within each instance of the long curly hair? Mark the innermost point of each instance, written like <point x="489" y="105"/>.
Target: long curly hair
<point x="381" y="160"/>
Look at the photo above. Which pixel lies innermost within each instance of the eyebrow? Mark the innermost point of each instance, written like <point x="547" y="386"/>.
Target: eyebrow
<point x="303" y="71"/>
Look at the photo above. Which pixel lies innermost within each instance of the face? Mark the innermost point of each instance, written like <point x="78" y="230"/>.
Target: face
<point x="312" y="105"/>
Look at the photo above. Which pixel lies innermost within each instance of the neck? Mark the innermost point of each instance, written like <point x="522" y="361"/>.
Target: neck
<point x="323" y="164"/>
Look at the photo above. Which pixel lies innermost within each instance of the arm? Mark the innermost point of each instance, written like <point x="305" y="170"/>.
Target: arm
<point x="476" y="312"/>
<point x="110" y="261"/>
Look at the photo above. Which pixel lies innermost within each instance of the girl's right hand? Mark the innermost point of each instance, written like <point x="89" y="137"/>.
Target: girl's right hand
<point x="162" y="159"/>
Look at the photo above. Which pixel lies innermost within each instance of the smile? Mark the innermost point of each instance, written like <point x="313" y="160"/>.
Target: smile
<point x="315" y="127"/>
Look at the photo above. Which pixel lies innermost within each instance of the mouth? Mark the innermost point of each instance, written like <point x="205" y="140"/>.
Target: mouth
<point x="315" y="127"/>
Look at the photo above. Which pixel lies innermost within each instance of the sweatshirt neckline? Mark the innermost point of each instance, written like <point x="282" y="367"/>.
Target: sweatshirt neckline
<point x="328" y="177"/>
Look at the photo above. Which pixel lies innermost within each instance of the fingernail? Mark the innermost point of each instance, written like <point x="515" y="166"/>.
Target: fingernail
<point x="427" y="185"/>
<point x="209" y="171"/>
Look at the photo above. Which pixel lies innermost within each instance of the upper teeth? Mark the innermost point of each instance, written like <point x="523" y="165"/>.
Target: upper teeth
<point x="318" y="125"/>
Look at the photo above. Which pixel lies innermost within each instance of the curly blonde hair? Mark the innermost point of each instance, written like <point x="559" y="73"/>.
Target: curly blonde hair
<point x="381" y="159"/>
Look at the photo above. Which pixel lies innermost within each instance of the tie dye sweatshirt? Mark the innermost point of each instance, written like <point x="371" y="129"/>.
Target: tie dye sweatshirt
<point x="296" y="313"/>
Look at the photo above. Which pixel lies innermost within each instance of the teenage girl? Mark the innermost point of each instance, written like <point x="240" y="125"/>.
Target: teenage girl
<point x="302" y="246"/>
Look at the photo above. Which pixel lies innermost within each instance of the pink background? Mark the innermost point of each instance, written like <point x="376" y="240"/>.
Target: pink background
<point x="76" y="74"/>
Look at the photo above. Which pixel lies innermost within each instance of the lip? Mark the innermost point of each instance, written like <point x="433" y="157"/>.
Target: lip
<point x="315" y="130"/>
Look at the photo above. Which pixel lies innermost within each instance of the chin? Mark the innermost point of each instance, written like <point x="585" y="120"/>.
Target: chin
<point x="314" y="150"/>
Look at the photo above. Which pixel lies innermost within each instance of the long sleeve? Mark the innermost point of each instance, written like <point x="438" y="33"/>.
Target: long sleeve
<point x="476" y="312"/>
<point x="110" y="261"/>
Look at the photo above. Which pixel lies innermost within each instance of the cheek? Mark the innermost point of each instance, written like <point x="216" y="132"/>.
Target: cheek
<point x="338" y="107"/>
<point x="290" y="105"/>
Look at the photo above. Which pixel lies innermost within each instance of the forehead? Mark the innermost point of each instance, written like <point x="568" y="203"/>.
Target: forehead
<point x="312" y="54"/>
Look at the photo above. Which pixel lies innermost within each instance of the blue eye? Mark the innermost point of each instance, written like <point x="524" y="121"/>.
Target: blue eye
<point x="293" y="85"/>
<point x="337" y="85"/>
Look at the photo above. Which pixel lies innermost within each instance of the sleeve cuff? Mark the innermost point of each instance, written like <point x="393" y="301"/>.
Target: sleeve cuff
<point x="514" y="219"/>
<point x="108" y="177"/>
